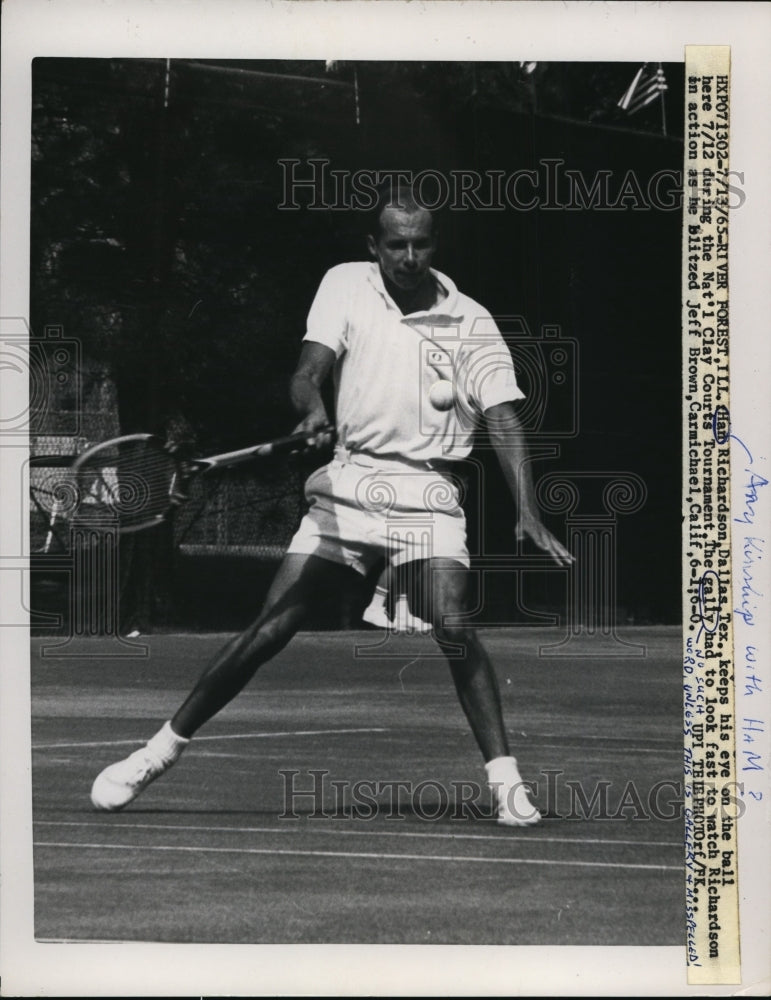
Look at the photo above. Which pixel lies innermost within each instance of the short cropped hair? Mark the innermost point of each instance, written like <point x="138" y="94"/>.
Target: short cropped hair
<point x="394" y="194"/>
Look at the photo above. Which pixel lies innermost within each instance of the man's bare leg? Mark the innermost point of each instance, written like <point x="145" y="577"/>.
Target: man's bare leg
<point x="445" y="586"/>
<point x="299" y="580"/>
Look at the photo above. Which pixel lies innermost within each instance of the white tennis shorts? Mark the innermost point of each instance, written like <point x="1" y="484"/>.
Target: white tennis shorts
<point x="363" y="508"/>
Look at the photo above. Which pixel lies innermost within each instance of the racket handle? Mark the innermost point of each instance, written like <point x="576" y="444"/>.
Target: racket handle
<point x="291" y="443"/>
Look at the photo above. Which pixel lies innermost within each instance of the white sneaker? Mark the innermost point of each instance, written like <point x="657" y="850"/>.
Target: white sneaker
<point x="375" y="615"/>
<point x="404" y="621"/>
<point x="120" y="783"/>
<point x="511" y="794"/>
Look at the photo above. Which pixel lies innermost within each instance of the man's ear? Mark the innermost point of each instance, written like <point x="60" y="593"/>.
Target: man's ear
<point x="372" y="246"/>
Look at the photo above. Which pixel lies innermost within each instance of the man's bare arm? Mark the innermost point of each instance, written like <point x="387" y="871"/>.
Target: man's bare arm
<point x="508" y="439"/>
<point x="314" y="365"/>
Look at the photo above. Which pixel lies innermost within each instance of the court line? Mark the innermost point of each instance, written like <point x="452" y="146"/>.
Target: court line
<point x="368" y="855"/>
<point x="360" y="833"/>
<point x="45" y="940"/>
<point x="201" y="739"/>
<point x="618" y="739"/>
<point x="329" y="732"/>
<point x="201" y="754"/>
<point x="534" y="744"/>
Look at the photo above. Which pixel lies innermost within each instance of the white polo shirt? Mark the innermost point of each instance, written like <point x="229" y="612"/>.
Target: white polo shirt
<point x="387" y="362"/>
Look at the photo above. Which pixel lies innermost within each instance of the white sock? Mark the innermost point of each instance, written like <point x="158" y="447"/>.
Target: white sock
<point x="500" y="770"/>
<point x="378" y="598"/>
<point x="166" y="744"/>
<point x="511" y="794"/>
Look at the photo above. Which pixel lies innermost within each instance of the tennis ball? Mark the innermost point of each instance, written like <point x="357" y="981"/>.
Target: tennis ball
<point x="441" y="395"/>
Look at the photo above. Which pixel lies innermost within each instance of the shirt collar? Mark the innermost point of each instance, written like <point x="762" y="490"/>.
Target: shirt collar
<point x="443" y="313"/>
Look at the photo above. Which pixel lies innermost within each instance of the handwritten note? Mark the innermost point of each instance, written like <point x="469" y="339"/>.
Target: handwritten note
<point x="751" y="514"/>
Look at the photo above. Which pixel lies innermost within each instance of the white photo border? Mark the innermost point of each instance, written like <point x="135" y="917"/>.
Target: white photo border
<point x="371" y="29"/>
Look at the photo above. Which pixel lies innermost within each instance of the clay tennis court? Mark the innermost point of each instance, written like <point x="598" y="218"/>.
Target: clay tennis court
<point x="218" y="850"/>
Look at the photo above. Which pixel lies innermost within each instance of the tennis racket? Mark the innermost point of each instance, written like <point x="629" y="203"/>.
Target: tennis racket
<point x="135" y="482"/>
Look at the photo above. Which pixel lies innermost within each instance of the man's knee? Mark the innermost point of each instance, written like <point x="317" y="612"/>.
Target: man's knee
<point x="270" y="633"/>
<point x="459" y="636"/>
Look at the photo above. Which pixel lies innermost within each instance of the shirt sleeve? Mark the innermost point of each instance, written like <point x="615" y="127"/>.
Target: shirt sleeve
<point x="327" y="320"/>
<point x="489" y="377"/>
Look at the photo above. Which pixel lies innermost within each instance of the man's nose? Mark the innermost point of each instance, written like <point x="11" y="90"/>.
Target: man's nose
<point x="411" y="260"/>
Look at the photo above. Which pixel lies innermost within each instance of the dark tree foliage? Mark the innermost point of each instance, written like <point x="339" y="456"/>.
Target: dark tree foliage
<point x="155" y="235"/>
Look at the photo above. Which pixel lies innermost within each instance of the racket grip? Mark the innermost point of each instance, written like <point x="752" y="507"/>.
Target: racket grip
<point x="295" y="442"/>
<point x="286" y="445"/>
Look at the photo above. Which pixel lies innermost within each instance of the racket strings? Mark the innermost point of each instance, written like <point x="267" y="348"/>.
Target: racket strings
<point x="130" y="485"/>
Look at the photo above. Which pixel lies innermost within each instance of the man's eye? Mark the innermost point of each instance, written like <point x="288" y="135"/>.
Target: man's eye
<point x="403" y="246"/>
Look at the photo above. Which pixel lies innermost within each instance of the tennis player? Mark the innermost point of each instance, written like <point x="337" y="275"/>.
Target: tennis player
<point x="389" y="489"/>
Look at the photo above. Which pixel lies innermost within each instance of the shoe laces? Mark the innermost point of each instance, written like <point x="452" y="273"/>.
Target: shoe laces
<point x="145" y="763"/>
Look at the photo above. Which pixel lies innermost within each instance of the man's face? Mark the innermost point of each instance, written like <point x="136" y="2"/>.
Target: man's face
<point x="404" y="247"/>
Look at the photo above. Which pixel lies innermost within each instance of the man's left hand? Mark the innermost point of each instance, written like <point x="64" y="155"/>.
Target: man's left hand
<point x="532" y="528"/>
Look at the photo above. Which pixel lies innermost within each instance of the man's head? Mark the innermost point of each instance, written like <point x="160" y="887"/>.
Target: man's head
<point x="403" y="240"/>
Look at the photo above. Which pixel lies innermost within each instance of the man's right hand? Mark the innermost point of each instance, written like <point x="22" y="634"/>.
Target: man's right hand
<point x="320" y="432"/>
